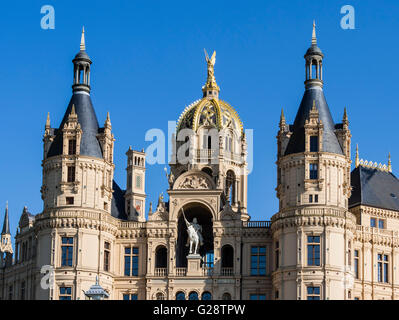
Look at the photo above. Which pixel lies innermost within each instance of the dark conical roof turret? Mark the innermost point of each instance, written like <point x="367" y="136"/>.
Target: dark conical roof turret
<point x="6" y="223"/>
<point x="313" y="95"/>
<point x="86" y="116"/>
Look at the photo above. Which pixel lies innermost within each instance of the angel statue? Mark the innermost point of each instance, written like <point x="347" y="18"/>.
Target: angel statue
<point x="211" y="66"/>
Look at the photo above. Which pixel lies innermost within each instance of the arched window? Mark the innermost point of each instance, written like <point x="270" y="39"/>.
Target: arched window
<point x="161" y="257"/>
<point x="160" y="296"/>
<point x="193" y="296"/>
<point x="180" y="296"/>
<point x="206" y="296"/>
<point x="226" y="296"/>
<point x="230" y="187"/>
<point x="227" y="256"/>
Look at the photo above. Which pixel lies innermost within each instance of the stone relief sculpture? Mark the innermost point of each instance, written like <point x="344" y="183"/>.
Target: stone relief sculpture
<point x="194" y="182"/>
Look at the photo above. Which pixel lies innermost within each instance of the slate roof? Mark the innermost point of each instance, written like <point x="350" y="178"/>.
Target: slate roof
<point x="89" y="145"/>
<point x="297" y="140"/>
<point x="6" y="224"/>
<point x="314" y="50"/>
<point x="375" y="188"/>
<point x="118" y="202"/>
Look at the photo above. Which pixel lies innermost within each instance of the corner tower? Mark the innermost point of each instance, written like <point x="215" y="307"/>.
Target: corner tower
<point x="312" y="231"/>
<point x="78" y="164"/>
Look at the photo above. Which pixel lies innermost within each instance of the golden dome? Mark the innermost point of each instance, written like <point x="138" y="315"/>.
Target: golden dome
<point x="210" y="113"/>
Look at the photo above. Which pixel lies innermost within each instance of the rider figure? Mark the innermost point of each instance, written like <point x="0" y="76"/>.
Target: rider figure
<point x="197" y="229"/>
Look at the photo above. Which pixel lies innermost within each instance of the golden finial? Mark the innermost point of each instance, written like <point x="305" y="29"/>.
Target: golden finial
<point x="210" y="81"/>
<point x="357" y="162"/>
<point x="389" y="163"/>
<point x="314" y="40"/>
<point x="82" y="40"/>
<point x="108" y="118"/>
<point x="48" y="120"/>
<point x="73" y="110"/>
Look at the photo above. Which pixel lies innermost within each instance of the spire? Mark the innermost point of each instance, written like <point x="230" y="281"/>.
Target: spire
<point x="282" y="119"/>
<point x="345" y="118"/>
<point x="107" y="124"/>
<point x="72" y="115"/>
<point x="314" y="39"/>
<point x="357" y="161"/>
<point x="6" y="223"/>
<point x="210" y="89"/>
<point x="389" y="163"/>
<point x="108" y="120"/>
<point x="82" y="40"/>
<point x="48" y="121"/>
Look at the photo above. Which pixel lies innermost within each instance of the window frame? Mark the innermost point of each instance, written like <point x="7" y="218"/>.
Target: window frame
<point x="107" y="256"/>
<point x="258" y="270"/>
<point x="313" y="295"/>
<point x="356" y="257"/>
<point x="130" y="296"/>
<point x="71" y="173"/>
<point x="257" y="296"/>
<point x="313" y="245"/>
<point x="131" y="254"/>
<point x="382" y="268"/>
<point x="65" y="296"/>
<point x="313" y="171"/>
<point x="69" y="251"/>
<point x="72" y="146"/>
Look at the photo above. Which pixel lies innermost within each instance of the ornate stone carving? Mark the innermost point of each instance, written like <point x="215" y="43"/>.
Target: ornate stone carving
<point x="194" y="182"/>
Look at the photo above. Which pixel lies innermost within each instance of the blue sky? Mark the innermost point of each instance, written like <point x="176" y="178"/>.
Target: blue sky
<point x="148" y="64"/>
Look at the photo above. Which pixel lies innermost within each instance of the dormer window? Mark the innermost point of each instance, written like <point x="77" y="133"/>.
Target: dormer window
<point x="314" y="143"/>
<point x="72" y="146"/>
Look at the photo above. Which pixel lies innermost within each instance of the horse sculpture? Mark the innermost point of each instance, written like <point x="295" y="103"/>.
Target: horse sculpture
<point x="194" y="235"/>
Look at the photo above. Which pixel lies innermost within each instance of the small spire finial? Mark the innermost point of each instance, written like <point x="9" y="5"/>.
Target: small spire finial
<point x="345" y="118"/>
<point x="389" y="162"/>
<point x="48" y="120"/>
<point x="282" y="119"/>
<point x="314" y="40"/>
<point x="7" y="205"/>
<point x="82" y="40"/>
<point x="357" y="156"/>
<point x="73" y="110"/>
